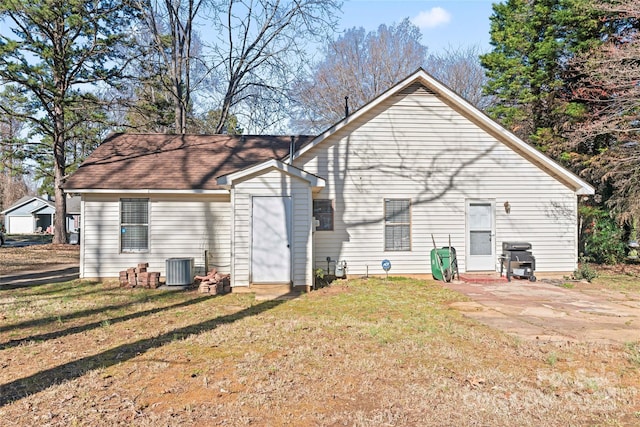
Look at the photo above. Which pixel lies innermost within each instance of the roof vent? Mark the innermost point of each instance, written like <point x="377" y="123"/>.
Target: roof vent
<point x="292" y="148"/>
<point x="346" y="106"/>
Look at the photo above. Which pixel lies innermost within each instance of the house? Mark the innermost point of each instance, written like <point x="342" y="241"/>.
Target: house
<point x="73" y="213"/>
<point x="29" y="215"/>
<point x="415" y="162"/>
<point x="33" y="214"/>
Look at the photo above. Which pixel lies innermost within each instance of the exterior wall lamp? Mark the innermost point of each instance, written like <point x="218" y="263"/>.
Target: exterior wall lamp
<point x="507" y="207"/>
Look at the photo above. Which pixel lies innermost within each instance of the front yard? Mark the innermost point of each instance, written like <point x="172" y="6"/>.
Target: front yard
<point x="363" y="352"/>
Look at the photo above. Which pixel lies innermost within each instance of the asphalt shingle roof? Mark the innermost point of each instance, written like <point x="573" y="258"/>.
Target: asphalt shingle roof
<point x="174" y="162"/>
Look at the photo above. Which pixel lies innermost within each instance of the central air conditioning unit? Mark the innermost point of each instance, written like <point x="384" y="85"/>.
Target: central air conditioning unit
<point x="179" y="271"/>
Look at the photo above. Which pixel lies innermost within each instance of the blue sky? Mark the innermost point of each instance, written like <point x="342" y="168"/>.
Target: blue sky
<point x="456" y="23"/>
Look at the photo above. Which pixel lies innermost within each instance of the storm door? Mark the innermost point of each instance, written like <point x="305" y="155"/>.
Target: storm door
<point x="480" y="233"/>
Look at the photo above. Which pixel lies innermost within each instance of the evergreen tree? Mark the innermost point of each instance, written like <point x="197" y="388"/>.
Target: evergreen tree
<point x="207" y="124"/>
<point x="150" y="106"/>
<point x="529" y="67"/>
<point x="57" y="49"/>
<point x="12" y="167"/>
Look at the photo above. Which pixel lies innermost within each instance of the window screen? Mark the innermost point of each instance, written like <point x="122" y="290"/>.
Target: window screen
<point x="397" y="225"/>
<point x="134" y="225"/>
<point x="323" y="212"/>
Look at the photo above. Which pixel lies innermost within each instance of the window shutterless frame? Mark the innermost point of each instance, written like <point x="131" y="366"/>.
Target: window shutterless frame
<point x="397" y="224"/>
<point x="323" y="212"/>
<point x="134" y="225"/>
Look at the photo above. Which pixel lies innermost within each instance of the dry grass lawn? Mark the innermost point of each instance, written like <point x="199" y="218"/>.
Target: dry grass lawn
<point x="358" y="353"/>
<point x="16" y="260"/>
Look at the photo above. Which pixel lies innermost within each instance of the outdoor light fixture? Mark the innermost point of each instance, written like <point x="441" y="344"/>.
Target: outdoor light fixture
<point x="507" y="207"/>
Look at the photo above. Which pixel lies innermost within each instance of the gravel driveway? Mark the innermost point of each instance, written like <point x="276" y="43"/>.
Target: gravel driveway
<point x="541" y="310"/>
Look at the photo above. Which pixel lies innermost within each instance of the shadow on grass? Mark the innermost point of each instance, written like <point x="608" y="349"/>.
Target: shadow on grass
<point x="27" y="280"/>
<point x="68" y="290"/>
<point x="83" y="313"/>
<point x="56" y="288"/>
<point x="94" y="325"/>
<point x="35" y="383"/>
<point x="74" y="291"/>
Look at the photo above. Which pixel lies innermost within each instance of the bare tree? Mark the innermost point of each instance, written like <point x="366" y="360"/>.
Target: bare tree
<point x="359" y="66"/>
<point x="260" y="53"/>
<point x="173" y="43"/>
<point x="606" y="138"/>
<point x="460" y="69"/>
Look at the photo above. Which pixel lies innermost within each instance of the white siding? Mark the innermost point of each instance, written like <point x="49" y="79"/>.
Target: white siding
<point x="415" y="146"/>
<point x="180" y="226"/>
<point x="273" y="183"/>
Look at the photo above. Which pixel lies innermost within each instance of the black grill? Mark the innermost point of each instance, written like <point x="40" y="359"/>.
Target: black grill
<point x="517" y="260"/>
<point x="516" y="246"/>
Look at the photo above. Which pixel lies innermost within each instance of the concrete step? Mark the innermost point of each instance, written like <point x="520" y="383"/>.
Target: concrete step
<point x="274" y="291"/>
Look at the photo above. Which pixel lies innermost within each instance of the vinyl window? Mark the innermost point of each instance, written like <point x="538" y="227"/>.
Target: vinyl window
<point x="134" y="225"/>
<point x="397" y="225"/>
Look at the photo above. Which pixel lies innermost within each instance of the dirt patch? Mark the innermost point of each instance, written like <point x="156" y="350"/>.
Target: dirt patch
<point x="332" y="289"/>
<point x="619" y="269"/>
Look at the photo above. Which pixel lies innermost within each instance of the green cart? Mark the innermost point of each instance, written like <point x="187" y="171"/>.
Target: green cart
<point x="444" y="263"/>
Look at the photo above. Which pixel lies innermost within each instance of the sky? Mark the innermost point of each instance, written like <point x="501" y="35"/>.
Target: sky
<point x="443" y="23"/>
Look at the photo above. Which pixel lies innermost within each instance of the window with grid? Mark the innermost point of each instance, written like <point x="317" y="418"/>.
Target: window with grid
<point x="134" y="225"/>
<point x="397" y="225"/>
<point x="323" y="212"/>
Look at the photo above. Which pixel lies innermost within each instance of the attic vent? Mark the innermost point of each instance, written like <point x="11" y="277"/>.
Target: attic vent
<point x="416" y="89"/>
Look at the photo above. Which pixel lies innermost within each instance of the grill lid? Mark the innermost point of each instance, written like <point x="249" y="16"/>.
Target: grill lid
<point x="516" y="246"/>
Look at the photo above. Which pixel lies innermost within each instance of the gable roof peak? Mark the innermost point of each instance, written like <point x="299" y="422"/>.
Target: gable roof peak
<point x="472" y="113"/>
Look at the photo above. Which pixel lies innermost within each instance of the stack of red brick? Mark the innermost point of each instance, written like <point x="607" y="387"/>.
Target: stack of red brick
<point x="139" y="277"/>
<point x="214" y="283"/>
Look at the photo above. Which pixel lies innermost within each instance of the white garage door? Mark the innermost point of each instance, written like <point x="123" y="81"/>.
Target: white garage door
<point x="20" y="225"/>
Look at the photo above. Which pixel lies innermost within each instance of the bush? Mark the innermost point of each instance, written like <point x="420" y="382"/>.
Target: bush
<point x="602" y="237"/>
<point x="584" y="272"/>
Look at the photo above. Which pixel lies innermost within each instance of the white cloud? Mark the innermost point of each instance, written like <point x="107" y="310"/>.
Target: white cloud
<point x="432" y="18"/>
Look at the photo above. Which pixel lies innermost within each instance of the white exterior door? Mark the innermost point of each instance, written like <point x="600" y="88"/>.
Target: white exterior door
<point x="270" y="240"/>
<point x="480" y="232"/>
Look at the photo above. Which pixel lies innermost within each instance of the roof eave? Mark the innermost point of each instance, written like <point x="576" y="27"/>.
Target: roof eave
<point x="563" y="175"/>
<point x="228" y="180"/>
<point x="24" y="202"/>
<point x="146" y="191"/>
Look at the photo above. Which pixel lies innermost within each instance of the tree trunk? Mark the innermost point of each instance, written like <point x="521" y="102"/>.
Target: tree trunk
<point x="59" y="167"/>
<point x="226" y="107"/>
<point x="60" y="223"/>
